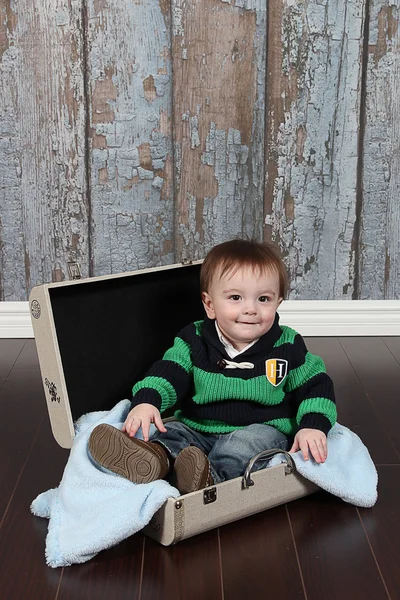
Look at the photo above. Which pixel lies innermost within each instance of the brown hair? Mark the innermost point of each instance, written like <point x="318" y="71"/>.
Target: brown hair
<point x="232" y="255"/>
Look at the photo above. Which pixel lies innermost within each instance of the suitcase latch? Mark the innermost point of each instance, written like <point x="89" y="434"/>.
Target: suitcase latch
<point x="210" y="495"/>
<point x="74" y="270"/>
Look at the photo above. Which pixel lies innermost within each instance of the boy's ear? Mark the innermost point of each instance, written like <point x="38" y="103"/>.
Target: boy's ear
<point x="208" y="305"/>
<point x="279" y="301"/>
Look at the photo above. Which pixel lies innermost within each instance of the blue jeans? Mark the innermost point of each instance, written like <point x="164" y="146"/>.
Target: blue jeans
<point x="228" y="453"/>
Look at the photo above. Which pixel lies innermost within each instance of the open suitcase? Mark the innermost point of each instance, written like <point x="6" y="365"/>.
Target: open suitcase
<point x="96" y="337"/>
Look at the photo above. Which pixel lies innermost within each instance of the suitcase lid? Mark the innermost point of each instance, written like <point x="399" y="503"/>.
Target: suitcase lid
<point x="97" y="337"/>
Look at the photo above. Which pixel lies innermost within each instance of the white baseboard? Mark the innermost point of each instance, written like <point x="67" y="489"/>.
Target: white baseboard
<point x="15" y="320"/>
<point x="308" y="317"/>
<point x="342" y="317"/>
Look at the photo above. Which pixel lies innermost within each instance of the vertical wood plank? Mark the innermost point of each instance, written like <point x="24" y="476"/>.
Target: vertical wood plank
<point x="393" y="343"/>
<point x="334" y="554"/>
<point x="28" y="358"/>
<point x="313" y="96"/>
<point x="191" y="569"/>
<point x="258" y="554"/>
<point x="9" y="352"/>
<point x="21" y="399"/>
<point x="355" y="409"/>
<point x="113" y="574"/>
<point x="23" y="570"/>
<point x="43" y="211"/>
<point x="380" y="217"/>
<point x="383" y="391"/>
<point x="219" y="95"/>
<point x="129" y="73"/>
<point x="382" y="525"/>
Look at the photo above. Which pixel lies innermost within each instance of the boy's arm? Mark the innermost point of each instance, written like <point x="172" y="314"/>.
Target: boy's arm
<point x="311" y="389"/>
<point x="168" y="380"/>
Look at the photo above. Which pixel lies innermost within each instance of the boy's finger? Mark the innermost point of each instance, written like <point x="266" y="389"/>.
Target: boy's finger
<point x="304" y="449"/>
<point x="159" y="424"/>
<point x="146" y="430"/>
<point x="322" y="452"/>
<point x="295" y="446"/>
<point x="318" y="451"/>
<point x="128" y="422"/>
<point x="133" y="426"/>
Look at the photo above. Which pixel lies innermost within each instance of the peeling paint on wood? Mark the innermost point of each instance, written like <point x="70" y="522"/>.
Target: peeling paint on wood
<point x="157" y="196"/>
<point x="219" y="83"/>
<point x="42" y="177"/>
<point x="314" y="77"/>
<point x="131" y="191"/>
<point x="380" y="218"/>
<point x="8" y="23"/>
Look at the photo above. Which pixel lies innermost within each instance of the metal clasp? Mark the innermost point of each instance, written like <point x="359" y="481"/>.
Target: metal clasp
<point x="209" y="495"/>
<point x="74" y="270"/>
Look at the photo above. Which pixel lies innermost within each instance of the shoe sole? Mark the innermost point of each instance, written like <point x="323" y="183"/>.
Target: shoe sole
<point x="191" y="470"/>
<point x="129" y="457"/>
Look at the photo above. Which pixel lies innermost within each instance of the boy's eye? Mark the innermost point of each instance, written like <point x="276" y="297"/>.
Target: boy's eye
<point x="263" y="299"/>
<point x="234" y="297"/>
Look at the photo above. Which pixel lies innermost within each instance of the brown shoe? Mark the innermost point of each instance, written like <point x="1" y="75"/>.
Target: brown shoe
<point x="191" y="470"/>
<point x="138" y="461"/>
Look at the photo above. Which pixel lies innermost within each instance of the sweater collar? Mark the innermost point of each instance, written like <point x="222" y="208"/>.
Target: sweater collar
<point x="229" y="349"/>
<point x="264" y="344"/>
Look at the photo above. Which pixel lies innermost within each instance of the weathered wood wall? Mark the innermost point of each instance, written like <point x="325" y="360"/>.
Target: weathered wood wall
<point x="43" y="202"/>
<point x="141" y="134"/>
<point x="219" y="57"/>
<point x="380" y="210"/>
<point x="315" y="59"/>
<point x="130" y="115"/>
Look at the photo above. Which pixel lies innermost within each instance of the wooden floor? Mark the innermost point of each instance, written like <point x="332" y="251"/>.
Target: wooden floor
<point x="318" y="548"/>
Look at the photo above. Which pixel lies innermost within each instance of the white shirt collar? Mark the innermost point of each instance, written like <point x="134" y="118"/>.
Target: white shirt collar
<point x="230" y="350"/>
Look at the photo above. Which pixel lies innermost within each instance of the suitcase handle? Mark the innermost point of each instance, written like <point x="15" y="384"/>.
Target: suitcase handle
<point x="290" y="465"/>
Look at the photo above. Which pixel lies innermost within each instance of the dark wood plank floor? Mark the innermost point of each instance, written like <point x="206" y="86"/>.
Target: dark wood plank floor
<point x="317" y="548"/>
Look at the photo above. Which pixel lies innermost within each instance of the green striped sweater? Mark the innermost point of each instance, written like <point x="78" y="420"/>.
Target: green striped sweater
<point x="288" y="388"/>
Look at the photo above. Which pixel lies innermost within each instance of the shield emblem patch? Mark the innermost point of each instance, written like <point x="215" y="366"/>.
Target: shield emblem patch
<point x="276" y="370"/>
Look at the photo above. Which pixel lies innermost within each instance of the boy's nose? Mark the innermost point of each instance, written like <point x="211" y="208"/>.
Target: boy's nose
<point x="250" y="309"/>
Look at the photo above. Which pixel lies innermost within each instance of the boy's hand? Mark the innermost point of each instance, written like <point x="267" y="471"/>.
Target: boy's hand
<point x="312" y="440"/>
<point x="141" y="416"/>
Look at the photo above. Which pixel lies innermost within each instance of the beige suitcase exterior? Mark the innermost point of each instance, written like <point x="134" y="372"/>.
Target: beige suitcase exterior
<point x="95" y="337"/>
<point x="191" y="514"/>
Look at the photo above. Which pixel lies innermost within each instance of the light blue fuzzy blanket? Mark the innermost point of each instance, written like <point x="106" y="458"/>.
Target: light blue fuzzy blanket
<point x="92" y="510"/>
<point x="348" y="472"/>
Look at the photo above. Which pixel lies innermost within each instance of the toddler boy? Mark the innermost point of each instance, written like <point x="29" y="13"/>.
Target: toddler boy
<point x="244" y="384"/>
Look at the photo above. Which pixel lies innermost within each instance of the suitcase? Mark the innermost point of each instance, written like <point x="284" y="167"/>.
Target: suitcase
<point x="96" y="337"/>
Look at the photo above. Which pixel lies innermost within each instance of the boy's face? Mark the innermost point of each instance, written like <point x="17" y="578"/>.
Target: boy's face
<point x="243" y="303"/>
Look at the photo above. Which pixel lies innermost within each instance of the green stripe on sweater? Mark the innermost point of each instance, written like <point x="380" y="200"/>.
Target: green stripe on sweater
<point x="286" y="426"/>
<point x="180" y="353"/>
<point x="313" y="365"/>
<point x="199" y="326"/>
<point x="322" y="406"/>
<point x="212" y="387"/>
<point x="160" y="385"/>
<point x="205" y="425"/>
<point x="287" y="336"/>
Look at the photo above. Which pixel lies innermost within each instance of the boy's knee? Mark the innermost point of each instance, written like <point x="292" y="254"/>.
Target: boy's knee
<point x="256" y="437"/>
<point x="253" y="431"/>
